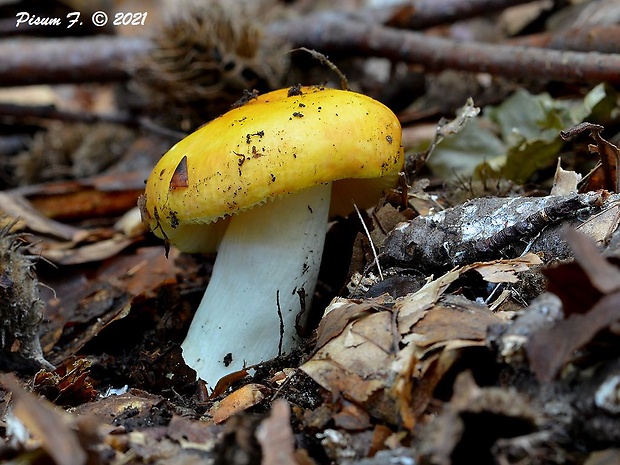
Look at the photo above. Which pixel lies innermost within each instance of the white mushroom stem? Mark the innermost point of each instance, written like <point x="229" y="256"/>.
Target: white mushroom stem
<point x="268" y="256"/>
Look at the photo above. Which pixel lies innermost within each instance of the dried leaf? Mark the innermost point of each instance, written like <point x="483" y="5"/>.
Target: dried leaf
<point x="601" y="225"/>
<point x="355" y="363"/>
<point x="238" y="401"/>
<point x="565" y="181"/>
<point x="192" y="434"/>
<point x="505" y="271"/>
<point x="376" y="361"/>
<point x="550" y="349"/>
<point x="97" y="196"/>
<point x="337" y="316"/>
<point x="453" y="319"/>
<point x="85" y="254"/>
<point x="411" y="308"/>
<point x="44" y="421"/>
<point x="275" y="436"/>
<point x="603" y="275"/>
<point x="16" y="206"/>
<point x="68" y="385"/>
<point x="604" y="457"/>
<point x="605" y="175"/>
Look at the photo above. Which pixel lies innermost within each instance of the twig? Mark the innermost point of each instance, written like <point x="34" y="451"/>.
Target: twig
<point x="427" y="13"/>
<point x="51" y="112"/>
<point x="37" y="61"/>
<point x="603" y="39"/>
<point x="372" y="245"/>
<point x="436" y="53"/>
<point x="51" y="61"/>
<point x="344" y="83"/>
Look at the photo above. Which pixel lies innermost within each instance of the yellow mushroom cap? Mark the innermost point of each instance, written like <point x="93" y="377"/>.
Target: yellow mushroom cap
<point x="279" y="143"/>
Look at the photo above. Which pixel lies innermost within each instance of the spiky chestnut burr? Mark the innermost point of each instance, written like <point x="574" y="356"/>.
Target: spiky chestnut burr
<point x="205" y="56"/>
<point x="20" y="306"/>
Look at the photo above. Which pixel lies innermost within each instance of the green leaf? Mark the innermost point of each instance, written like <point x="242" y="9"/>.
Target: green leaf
<point x="520" y="136"/>
<point x="460" y="154"/>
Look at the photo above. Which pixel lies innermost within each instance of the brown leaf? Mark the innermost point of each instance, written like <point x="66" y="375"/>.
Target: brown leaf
<point x="549" y="349"/>
<point x="454" y="319"/>
<point x="130" y="410"/>
<point x="505" y="271"/>
<point x="101" y="250"/>
<point x="604" y="457"/>
<point x="603" y="275"/>
<point x="102" y="195"/>
<point x="601" y="226"/>
<point x="179" y="177"/>
<point x="352" y="417"/>
<point x="191" y="432"/>
<point x="238" y="401"/>
<point x="606" y="174"/>
<point x="564" y="181"/>
<point x="275" y="436"/>
<point x="411" y="308"/>
<point x="338" y="315"/>
<point x="68" y="385"/>
<point x="16" y="206"/>
<point x="45" y="422"/>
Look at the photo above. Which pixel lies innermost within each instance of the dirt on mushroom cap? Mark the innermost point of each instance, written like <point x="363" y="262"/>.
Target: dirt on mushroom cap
<point x="273" y="145"/>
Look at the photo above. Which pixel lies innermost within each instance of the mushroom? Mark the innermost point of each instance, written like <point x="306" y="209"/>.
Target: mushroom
<point x="258" y="185"/>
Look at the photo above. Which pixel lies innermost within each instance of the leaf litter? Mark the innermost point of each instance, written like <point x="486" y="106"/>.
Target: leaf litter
<point x="492" y="337"/>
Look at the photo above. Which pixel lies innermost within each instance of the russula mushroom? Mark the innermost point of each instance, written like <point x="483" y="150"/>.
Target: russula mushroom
<point x="258" y="185"/>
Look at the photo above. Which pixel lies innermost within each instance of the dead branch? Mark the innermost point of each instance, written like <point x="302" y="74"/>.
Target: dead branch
<point x="603" y="39"/>
<point x="51" y="61"/>
<point x="436" y="53"/>
<point x="428" y="13"/>
<point x="38" y="61"/>
<point x="38" y="112"/>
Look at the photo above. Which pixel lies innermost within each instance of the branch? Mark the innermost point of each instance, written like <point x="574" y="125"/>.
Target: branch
<point x="422" y="14"/>
<point x="436" y="53"/>
<point x="52" y="61"/>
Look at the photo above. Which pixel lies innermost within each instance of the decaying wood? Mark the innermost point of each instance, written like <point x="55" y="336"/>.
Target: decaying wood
<point x="39" y="61"/>
<point x="53" y="61"/>
<point x="428" y="13"/>
<point x="436" y="53"/>
<point x="602" y="39"/>
<point x="483" y="228"/>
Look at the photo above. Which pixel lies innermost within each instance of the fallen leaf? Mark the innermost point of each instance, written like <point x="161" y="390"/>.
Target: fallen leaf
<point x="192" y="434"/>
<point x="47" y="423"/>
<point x="505" y="271"/>
<point x="549" y="349"/>
<point x="275" y="436"/>
<point x="94" y="252"/>
<point x="68" y="385"/>
<point x="604" y="457"/>
<point x="16" y="206"/>
<point x="352" y="418"/>
<point x="238" y="401"/>
<point x="603" y="275"/>
<point x="454" y="318"/>
<point x="602" y="225"/>
<point x="338" y="314"/>
<point x="564" y="181"/>
<point x="411" y="308"/>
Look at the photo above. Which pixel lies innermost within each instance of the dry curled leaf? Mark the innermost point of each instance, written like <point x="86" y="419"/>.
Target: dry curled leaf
<point x="389" y="360"/>
<point x="275" y="436"/>
<point x="44" y="421"/>
<point x="238" y="401"/>
<point x="505" y="271"/>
